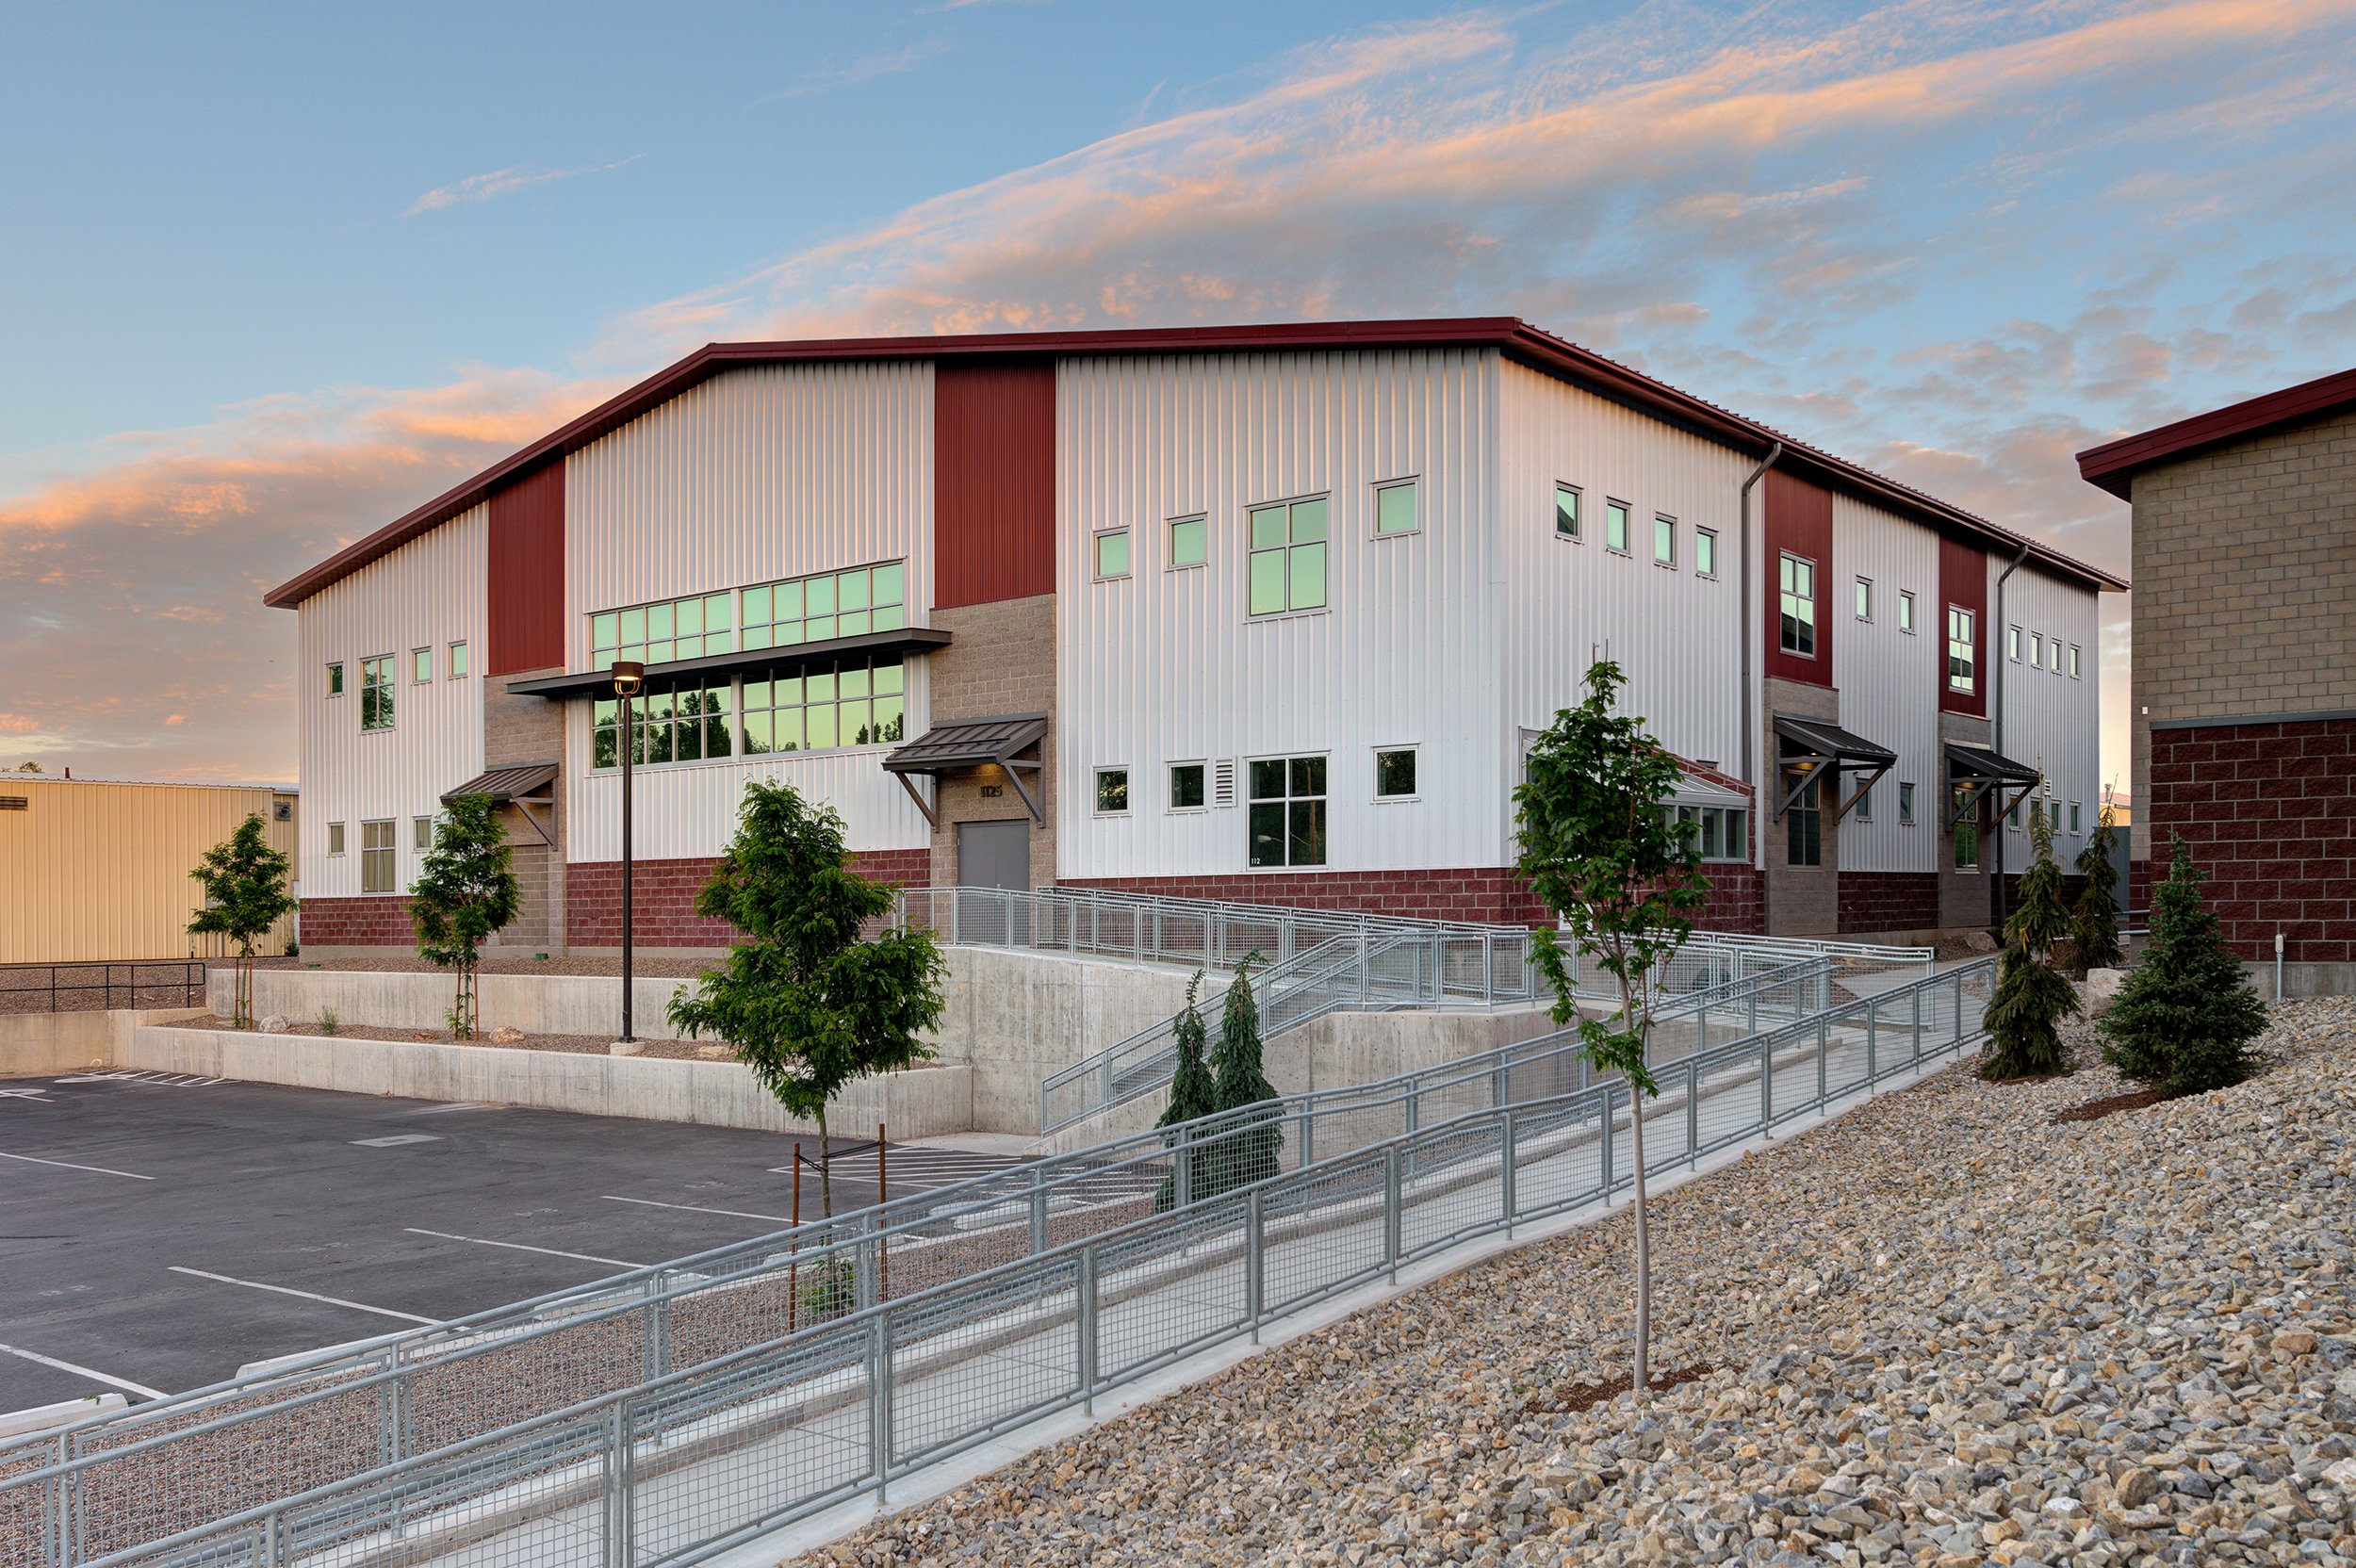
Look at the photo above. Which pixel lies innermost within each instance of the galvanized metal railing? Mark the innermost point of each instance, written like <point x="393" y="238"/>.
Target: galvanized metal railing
<point x="704" y="1452"/>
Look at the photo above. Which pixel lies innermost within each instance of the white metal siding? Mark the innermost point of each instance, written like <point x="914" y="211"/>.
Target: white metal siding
<point x="1889" y="680"/>
<point x="2051" y="721"/>
<point x="428" y="591"/>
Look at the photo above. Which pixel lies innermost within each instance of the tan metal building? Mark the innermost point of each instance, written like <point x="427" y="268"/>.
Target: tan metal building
<point x="94" y="869"/>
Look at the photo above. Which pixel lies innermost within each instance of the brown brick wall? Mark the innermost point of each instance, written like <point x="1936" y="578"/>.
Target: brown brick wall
<point x="381" y="920"/>
<point x="1888" y="901"/>
<point x="1490" y="895"/>
<point x="663" y="895"/>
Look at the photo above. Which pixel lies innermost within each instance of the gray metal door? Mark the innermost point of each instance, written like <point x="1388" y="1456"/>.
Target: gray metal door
<point x="994" y="854"/>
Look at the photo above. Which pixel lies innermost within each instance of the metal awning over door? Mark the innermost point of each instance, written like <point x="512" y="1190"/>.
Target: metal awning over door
<point x="1975" y="772"/>
<point x="522" y="785"/>
<point x="1810" y="749"/>
<point x="958" y="745"/>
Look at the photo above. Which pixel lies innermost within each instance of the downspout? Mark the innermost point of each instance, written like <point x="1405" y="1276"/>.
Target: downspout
<point x="1750" y="720"/>
<point x="1998" y="642"/>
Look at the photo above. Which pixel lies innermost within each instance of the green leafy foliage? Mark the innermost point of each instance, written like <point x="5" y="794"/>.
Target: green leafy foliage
<point x="2094" y="920"/>
<point x="464" y="894"/>
<point x="2033" y="996"/>
<point x="807" y="1003"/>
<point x="2185" y="1019"/>
<point x="245" y="894"/>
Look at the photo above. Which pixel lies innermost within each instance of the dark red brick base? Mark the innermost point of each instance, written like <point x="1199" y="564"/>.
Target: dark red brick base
<point x="380" y="919"/>
<point x="664" y="892"/>
<point x="2270" y="812"/>
<point x="1492" y="896"/>
<point x="1888" y="901"/>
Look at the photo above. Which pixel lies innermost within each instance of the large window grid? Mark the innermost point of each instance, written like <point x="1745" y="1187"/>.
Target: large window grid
<point x="376" y="692"/>
<point x="1287" y="816"/>
<point x="659" y="633"/>
<point x="1796" y="585"/>
<point x="1287" y="556"/>
<point x="676" y="722"/>
<point x="831" y="604"/>
<point x="1804" y="825"/>
<point x="856" y="702"/>
<point x="1722" y="831"/>
<point x="1967" y="830"/>
<point x="378" y="873"/>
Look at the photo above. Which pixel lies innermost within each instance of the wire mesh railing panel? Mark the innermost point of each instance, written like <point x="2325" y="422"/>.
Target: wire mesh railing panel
<point x="1321" y="1231"/>
<point x="1558" y="1155"/>
<point x="1452" y="1185"/>
<point x="1163" y="1292"/>
<point x="974" y="1360"/>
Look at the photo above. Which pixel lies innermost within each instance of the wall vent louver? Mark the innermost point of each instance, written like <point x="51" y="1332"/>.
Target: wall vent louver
<point x="1223" y="781"/>
<point x="15" y="803"/>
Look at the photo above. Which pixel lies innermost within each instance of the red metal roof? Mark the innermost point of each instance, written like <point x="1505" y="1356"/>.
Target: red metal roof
<point x="1517" y="339"/>
<point x="2115" y="464"/>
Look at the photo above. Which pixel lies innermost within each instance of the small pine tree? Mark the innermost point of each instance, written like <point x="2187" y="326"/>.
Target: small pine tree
<point x="1193" y="1093"/>
<point x="465" y="893"/>
<point x="245" y="894"/>
<point x="2032" y="996"/>
<point x="2186" y="1017"/>
<point x="1247" y="1147"/>
<point x="2094" y="920"/>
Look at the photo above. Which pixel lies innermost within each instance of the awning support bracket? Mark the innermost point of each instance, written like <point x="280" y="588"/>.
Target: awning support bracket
<point x="932" y="818"/>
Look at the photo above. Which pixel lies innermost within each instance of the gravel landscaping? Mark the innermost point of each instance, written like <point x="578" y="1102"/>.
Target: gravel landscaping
<point x="1946" y="1329"/>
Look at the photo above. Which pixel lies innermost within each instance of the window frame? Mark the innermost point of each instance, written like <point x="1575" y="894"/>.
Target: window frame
<point x="1966" y="835"/>
<point x="643" y="646"/>
<point x="421" y="834"/>
<point x="2075" y="819"/>
<point x="1783" y="558"/>
<point x="1615" y="509"/>
<point x="2012" y="645"/>
<point x="383" y="686"/>
<point x="1202" y="783"/>
<point x="1805" y="818"/>
<point x="1863" y="810"/>
<point x="1170" y="540"/>
<point x="2036" y="650"/>
<point x="1578" y="535"/>
<point x="1660" y="520"/>
<point x="1706" y="553"/>
<point x="1863" y="596"/>
<point x="1098" y="540"/>
<point x="2075" y="656"/>
<point x="1119" y="771"/>
<point x="1906" y="817"/>
<point x="386" y="868"/>
<point x="1906" y="611"/>
<point x="1734" y="847"/>
<point x="421" y="665"/>
<point x="1413" y="484"/>
<point x="1968" y="685"/>
<point x="750" y="636"/>
<point x="456" y="661"/>
<point x="1322" y="800"/>
<point x="1414" y="771"/>
<point x="1324" y="544"/>
<point x="336" y="840"/>
<point x="334" y="678"/>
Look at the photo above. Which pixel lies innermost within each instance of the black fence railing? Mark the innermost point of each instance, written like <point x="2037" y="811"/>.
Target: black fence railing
<point x="91" y="987"/>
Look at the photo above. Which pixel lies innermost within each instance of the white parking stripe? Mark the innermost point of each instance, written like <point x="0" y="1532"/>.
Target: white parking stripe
<point x="698" y="1208"/>
<point x="123" y="1383"/>
<point x="519" y="1246"/>
<point x="461" y="1105"/>
<point x="289" y="1290"/>
<point x="68" y="1164"/>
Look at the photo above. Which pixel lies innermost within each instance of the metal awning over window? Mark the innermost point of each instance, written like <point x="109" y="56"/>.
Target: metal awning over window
<point x="522" y="786"/>
<point x="1975" y="772"/>
<point x="717" y="667"/>
<point x="1810" y="749"/>
<point x="961" y="744"/>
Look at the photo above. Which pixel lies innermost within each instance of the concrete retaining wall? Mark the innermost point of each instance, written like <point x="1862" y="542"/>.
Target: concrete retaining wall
<point x="922" y="1102"/>
<point x="536" y="1004"/>
<point x="36" y="1045"/>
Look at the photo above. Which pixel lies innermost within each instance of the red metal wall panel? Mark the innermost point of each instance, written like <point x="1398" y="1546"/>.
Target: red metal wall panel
<point x="527" y="574"/>
<point x="1799" y="520"/>
<point x="993" y="481"/>
<point x="1963" y="585"/>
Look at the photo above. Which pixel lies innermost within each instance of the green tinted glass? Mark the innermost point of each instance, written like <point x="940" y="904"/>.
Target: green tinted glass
<point x="660" y="624"/>
<point x="852" y="682"/>
<point x="819" y="726"/>
<point x="1394" y="509"/>
<point x="756" y="606"/>
<point x="891" y="584"/>
<point x="691" y="619"/>
<point x="819" y="687"/>
<point x="818" y="596"/>
<point x="1308" y="577"/>
<point x="890" y="617"/>
<point x="757" y="733"/>
<point x="633" y="628"/>
<point x="1190" y="540"/>
<point x="1267" y="527"/>
<point x="1267" y="581"/>
<point x="601" y="630"/>
<point x="850" y="590"/>
<point x="1112" y="554"/>
<point x="817" y="629"/>
<point x="1308" y="520"/>
<point x="889" y="719"/>
<point x="852" y="623"/>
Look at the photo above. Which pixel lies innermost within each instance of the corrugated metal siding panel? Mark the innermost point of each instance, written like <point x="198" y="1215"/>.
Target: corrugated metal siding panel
<point x="1676" y="635"/>
<point x="1965" y="572"/>
<point x="995" y="481"/>
<point x="431" y="590"/>
<point x="527" y="574"/>
<point x="2051" y="721"/>
<point x="754" y="475"/>
<point x="101" y="871"/>
<point x="1166" y="666"/>
<point x="1799" y="518"/>
<point x="1889" y="679"/>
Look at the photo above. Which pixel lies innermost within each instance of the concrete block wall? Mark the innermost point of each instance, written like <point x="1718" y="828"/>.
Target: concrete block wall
<point x="1003" y="661"/>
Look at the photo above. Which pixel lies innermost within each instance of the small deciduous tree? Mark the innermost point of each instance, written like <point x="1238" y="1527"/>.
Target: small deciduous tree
<point x="245" y="894"/>
<point x="1598" y="845"/>
<point x="2185" y="1019"/>
<point x="1244" y="1148"/>
<point x="2094" y="920"/>
<point x="808" y="1006"/>
<point x="1193" y="1093"/>
<point x="465" y="893"/>
<point x="2032" y="995"/>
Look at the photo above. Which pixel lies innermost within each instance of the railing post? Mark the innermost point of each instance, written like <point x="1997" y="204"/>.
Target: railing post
<point x="1917" y="995"/>
<point x="1873" y="1031"/>
<point x="1084" y="1323"/>
<point x="274" y="1540"/>
<point x="1039" y="1213"/>
<point x="1506" y="1187"/>
<point x="879" y="1400"/>
<point x="60" y="1535"/>
<point x="1393" y="1215"/>
<point x="1307" y="1139"/>
<point x="621" y="1548"/>
<point x="1488" y="967"/>
<point x="1182" y="1169"/>
<point x="1767" y="1087"/>
<point x="1254" y="1261"/>
<point x="1608" y="1137"/>
<point x="1824" y="1044"/>
<point x="1693" y="1114"/>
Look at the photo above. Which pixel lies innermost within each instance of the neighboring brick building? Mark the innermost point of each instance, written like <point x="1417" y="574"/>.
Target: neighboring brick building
<point x="2244" y="666"/>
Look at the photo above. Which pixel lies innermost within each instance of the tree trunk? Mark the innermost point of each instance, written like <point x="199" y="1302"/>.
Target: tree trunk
<point x="826" y="1168"/>
<point x="1642" y="1381"/>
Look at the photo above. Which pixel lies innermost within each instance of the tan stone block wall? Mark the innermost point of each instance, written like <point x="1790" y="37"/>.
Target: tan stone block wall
<point x="1802" y="901"/>
<point x="1002" y="661"/>
<point x="518" y="730"/>
<point x="1964" y="899"/>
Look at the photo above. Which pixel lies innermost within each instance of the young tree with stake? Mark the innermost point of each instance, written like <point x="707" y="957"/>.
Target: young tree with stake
<point x="1598" y="845"/>
<point x="464" y="894"/>
<point x="245" y="894"/>
<point x="808" y="1006"/>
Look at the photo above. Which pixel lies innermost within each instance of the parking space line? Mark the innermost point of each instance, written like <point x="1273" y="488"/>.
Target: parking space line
<point x="289" y="1290"/>
<point x="519" y="1246"/>
<point x="68" y="1164"/>
<point x="698" y="1208"/>
<point x="123" y="1383"/>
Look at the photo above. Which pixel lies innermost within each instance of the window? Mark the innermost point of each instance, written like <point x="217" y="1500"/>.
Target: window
<point x="422" y="832"/>
<point x="2054" y="644"/>
<point x="1615" y="526"/>
<point x="376" y="857"/>
<point x="1798" y="586"/>
<point x="1664" y="541"/>
<point x="336" y="680"/>
<point x="815" y="609"/>
<point x="1962" y="650"/>
<point x="1567" y="511"/>
<point x="2073" y="816"/>
<point x="854" y="702"/>
<point x="1865" y="598"/>
<point x="2052" y="815"/>
<point x="1705" y="552"/>
<point x="1906" y="805"/>
<point x="2036" y="650"/>
<point x="1394" y="508"/>
<point x="1287" y="558"/>
<point x="659" y="633"/>
<point x="376" y="692"/>
<point x="1721" y="829"/>
<point x="458" y="660"/>
<point x="420" y="665"/>
<point x="1190" y="541"/>
<point x="2012" y="643"/>
<point x="2073" y="661"/>
<point x="676" y="721"/>
<point x="1112" y="554"/>
<point x="334" y="837"/>
<point x="1864" y="807"/>
<point x="1967" y="830"/>
<point x="1112" y="791"/>
<point x="1186" y="786"/>
<point x="1288" y="818"/>
<point x="1906" y="610"/>
<point x="1804" y="827"/>
<point x="1395" y="774"/>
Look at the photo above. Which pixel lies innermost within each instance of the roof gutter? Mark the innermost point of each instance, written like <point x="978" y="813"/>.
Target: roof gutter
<point x="1750" y="717"/>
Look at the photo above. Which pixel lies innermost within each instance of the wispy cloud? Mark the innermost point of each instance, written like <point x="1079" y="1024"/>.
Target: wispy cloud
<point x="503" y="182"/>
<point x="865" y="67"/>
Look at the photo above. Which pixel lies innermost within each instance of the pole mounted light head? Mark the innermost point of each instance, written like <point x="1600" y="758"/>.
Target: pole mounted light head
<point x="629" y="676"/>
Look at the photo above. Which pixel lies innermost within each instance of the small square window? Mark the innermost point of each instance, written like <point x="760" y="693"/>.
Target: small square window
<point x="1906" y="805"/>
<point x="421" y="665"/>
<point x="1567" y="511"/>
<point x="1190" y="541"/>
<point x="1865" y="598"/>
<point x="1112" y="791"/>
<point x="1112" y="554"/>
<point x="1615" y="526"/>
<point x="1664" y="541"/>
<point x="1186" y="786"/>
<point x="1906" y="610"/>
<point x="1394" y="773"/>
<point x="1705" y="552"/>
<point x="335" y="680"/>
<point x="1394" y="509"/>
<point x="422" y="832"/>
<point x="334" y="837"/>
<point x="457" y="660"/>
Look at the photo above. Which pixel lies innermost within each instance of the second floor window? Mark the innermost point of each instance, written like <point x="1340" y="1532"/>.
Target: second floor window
<point x="832" y="604"/>
<point x="1963" y="674"/>
<point x="335" y="680"/>
<point x="376" y="692"/>
<point x="1906" y="610"/>
<point x="1797" y="585"/>
<point x="659" y="633"/>
<point x="1287" y="556"/>
<point x="1905" y="805"/>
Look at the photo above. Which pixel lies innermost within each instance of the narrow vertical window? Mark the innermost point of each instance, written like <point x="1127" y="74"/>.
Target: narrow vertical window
<point x="1705" y="552"/>
<point x="420" y="665"/>
<point x="1864" y="807"/>
<point x="1567" y="511"/>
<point x="1394" y="508"/>
<point x="1287" y="564"/>
<point x="2073" y="816"/>
<point x="1664" y="541"/>
<point x="377" y="870"/>
<point x="457" y="660"/>
<point x="1190" y="541"/>
<point x="1963" y="652"/>
<point x="376" y="692"/>
<point x="1615" y="526"/>
<point x="335" y="680"/>
<point x="1804" y="827"/>
<point x="1967" y="830"/>
<point x="334" y="837"/>
<point x="1112" y="554"/>
<point x="2036" y="650"/>
<point x="1796" y="583"/>
<point x="1906" y="610"/>
<point x="2073" y="661"/>
<point x="2012" y="644"/>
<point x="1906" y="805"/>
<point x="1865" y="598"/>
<point x="421" y="833"/>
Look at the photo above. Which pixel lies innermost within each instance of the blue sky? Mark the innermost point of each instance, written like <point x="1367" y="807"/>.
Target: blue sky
<point x="273" y="277"/>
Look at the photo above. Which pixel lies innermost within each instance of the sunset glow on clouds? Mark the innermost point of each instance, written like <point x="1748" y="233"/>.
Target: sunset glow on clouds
<point x="1955" y="243"/>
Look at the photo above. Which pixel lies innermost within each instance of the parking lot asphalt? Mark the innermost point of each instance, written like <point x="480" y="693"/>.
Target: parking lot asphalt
<point x="158" y="1233"/>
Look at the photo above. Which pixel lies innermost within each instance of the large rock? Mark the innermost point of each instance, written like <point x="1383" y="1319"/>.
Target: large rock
<point x="274" y="1024"/>
<point x="2102" y="987"/>
<point x="507" y="1034"/>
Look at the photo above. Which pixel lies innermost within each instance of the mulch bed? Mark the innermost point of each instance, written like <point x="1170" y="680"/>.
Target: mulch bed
<point x="2094" y="1110"/>
<point x="1576" y="1397"/>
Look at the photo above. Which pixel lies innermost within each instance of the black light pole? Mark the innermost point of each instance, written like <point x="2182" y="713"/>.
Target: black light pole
<point x="629" y="674"/>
